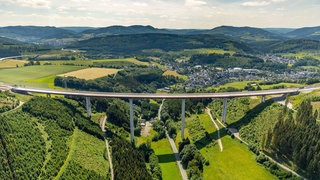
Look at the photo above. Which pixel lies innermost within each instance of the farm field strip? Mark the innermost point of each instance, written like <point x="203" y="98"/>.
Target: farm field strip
<point x="91" y="73"/>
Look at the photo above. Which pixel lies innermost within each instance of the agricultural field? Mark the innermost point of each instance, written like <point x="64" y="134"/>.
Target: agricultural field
<point x="132" y="60"/>
<point x="26" y="75"/>
<point x="12" y="63"/>
<point x="91" y="73"/>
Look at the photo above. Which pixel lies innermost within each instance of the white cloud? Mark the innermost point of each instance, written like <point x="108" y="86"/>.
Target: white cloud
<point x="278" y="1"/>
<point x="30" y="3"/>
<point x="140" y="4"/>
<point x="256" y="3"/>
<point x="195" y="3"/>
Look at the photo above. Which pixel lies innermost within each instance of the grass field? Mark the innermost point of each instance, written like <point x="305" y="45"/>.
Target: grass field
<point x="242" y="84"/>
<point x="234" y="162"/>
<point x="30" y="75"/>
<point x="91" y="73"/>
<point x="132" y="60"/>
<point x="11" y="63"/>
<point x="175" y="74"/>
<point x="167" y="161"/>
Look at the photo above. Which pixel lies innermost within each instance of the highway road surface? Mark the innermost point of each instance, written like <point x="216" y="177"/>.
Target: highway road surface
<point x="158" y="96"/>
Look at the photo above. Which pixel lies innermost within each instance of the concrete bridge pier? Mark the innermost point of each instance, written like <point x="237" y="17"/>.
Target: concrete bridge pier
<point x="224" y="110"/>
<point x="183" y="107"/>
<point x="88" y="106"/>
<point x="131" y="121"/>
<point x="263" y="99"/>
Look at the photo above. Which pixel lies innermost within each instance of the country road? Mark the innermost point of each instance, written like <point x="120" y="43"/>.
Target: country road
<point x="217" y="127"/>
<point x="174" y="148"/>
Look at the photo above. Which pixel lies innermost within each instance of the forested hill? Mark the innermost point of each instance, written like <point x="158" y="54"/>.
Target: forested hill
<point x="132" y="44"/>
<point x="118" y="30"/>
<point x="306" y="33"/>
<point x="247" y="34"/>
<point x="29" y="33"/>
<point x="9" y="47"/>
<point x="293" y="46"/>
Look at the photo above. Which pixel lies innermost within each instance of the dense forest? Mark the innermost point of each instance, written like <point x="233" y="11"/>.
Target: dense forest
<point x="297" y="138"/>
<point x="136" y="43"/>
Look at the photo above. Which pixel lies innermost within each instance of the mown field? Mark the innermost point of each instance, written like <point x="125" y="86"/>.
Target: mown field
<point x="234" y="162"/>
<point x="12" y="63"/>
<point x="90" y="73"/>
<point x="36" y="76"/>
<point x="91" y="62"/>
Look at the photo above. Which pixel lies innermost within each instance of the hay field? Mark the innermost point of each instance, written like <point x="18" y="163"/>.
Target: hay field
<point x="12" y="63"/>
<point x="175" y="74"/>
<point x="91" y="73"/>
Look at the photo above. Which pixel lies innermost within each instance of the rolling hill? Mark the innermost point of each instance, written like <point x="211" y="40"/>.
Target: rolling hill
<point x="247" y="34"/>
<point x="34" y="33"/>
<point x="305" y="33"/>
<point x="293" y="46"/>
<point x="135" y="43"/>
<point x="121" y="30"/>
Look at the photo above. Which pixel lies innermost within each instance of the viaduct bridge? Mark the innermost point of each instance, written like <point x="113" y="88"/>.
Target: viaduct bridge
<point x="88" y="94"/>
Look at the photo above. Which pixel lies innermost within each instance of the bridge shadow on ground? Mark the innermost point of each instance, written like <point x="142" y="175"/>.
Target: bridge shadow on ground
<point x="251" y="114"/>
<point x="167" y="158"/>
<point x="245" y="120"/>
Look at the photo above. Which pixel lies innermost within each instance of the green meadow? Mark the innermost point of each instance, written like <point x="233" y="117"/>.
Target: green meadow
<point x="36" y="76"/>
<point x="234" y="162"/>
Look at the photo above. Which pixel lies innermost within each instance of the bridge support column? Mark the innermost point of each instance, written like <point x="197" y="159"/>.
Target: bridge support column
<point x="263" y="99"/>
<point x="183" y="106"/>
<point x="88" y="106"/>
<point x="131" y="121"/>
<point x="224" y="110"/>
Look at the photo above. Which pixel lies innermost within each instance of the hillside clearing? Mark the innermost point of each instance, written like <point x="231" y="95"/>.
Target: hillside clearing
<point x="175" y="74"/>
<point x="91" y="73"/>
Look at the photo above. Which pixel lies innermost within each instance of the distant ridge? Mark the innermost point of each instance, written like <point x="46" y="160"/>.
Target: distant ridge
<point x="118" y="30"/>
<point x="247" y="34"/>
<point x="306" y="33"/>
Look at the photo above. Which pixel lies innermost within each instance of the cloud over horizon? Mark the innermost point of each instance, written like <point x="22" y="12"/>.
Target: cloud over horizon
<point x="161" y="13"/>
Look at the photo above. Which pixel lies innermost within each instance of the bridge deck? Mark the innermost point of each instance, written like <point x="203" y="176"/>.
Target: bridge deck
<point x="156" y="96"/>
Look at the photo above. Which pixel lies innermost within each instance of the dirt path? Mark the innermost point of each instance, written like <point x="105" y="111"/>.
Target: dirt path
<point x="102" y="125"/>
<point x="145" y="131"/>
<point x="218" y="129"/>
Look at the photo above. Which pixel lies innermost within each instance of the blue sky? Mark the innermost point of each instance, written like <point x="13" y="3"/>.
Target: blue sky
<point x="161" y="13"/>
